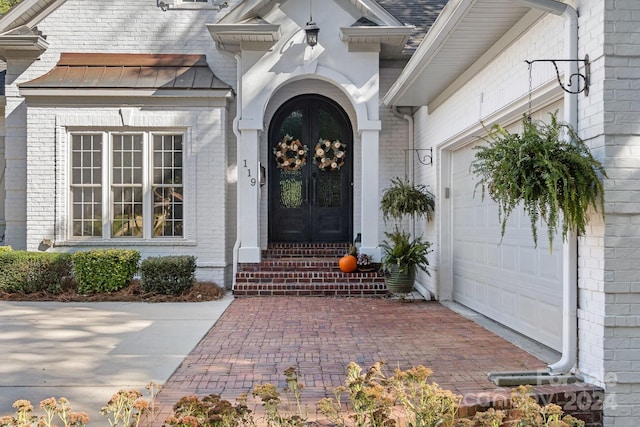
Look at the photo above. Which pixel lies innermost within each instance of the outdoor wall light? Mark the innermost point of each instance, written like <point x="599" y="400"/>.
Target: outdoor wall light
<point x="311" y="29"/>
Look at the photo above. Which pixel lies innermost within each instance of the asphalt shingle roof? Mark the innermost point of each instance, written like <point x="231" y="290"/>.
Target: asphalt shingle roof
<point x="419" y="13"/>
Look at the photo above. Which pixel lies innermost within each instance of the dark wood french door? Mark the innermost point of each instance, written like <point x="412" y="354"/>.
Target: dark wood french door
<point x="310" y="172"/>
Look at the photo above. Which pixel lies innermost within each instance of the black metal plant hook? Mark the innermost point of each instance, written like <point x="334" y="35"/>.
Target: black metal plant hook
<point x="586" y="77"/>
<point x="424" y="155"/>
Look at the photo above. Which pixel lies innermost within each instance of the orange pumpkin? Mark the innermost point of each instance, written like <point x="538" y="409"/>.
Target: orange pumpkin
<point x="348" y="264"/>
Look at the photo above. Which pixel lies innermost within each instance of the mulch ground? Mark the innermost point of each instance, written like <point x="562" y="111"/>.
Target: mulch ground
<point x="201" y="291"/>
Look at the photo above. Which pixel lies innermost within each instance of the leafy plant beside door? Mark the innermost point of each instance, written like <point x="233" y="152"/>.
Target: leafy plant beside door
<point x="554" y="178"/>
<point x="403" y="255"/>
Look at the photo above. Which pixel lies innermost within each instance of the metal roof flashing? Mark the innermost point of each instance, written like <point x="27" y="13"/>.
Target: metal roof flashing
<point x="148" y="74"/>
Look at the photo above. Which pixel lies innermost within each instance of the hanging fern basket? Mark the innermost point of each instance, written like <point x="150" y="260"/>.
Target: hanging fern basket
<point x="403" y="198"/>
<point x="547" y="169"/>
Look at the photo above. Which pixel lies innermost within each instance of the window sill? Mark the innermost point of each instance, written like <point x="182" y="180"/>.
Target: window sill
<point x="125" y="243"/>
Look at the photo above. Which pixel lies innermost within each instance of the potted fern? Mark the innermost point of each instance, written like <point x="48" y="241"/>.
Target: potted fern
<point x="551" y="177"/>
<point x="402" y="255"/>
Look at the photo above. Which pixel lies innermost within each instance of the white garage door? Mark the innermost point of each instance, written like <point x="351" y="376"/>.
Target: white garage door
<point x="513" y="282"/>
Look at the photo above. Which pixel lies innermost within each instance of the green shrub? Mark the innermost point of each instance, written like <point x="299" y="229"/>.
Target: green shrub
<point x="104" y="270"/>
<point x="29" y="272"/>
<point x="170" y="275"/>
<point x="5" y="248"/>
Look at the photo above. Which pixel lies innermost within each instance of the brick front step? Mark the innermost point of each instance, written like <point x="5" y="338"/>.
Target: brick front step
<point x="305" y="250"/>
<point x="310" y="289"/>
<point x="292" y="264"/>
<point x="291" y="277"/>
<point x="305" y="269"/>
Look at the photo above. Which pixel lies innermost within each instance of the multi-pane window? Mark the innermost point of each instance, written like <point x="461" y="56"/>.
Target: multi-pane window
<point x="143" y="185"/>
<point x="167" y="185"/>
<point x="86" y="184"/>
<point x="126" y="185"/>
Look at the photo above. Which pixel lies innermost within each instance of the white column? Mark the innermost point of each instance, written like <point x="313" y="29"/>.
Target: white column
<point x="249" y="190"/>
<point x="369" y="197"/>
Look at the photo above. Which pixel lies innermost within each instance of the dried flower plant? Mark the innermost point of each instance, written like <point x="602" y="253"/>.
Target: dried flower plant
<point x="367" y="403"/>
<point x="53" y="410"/>
<point x="125" y="408"/>
<point x="210" y="411"/>
<point x="277" y="411"/>
<point x="531" y="414"/>
<point x="425" y="404"/>
<point x="367" y="399"/>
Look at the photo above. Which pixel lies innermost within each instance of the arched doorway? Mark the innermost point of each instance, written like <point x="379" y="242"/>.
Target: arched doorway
<point x="310" y="172"/>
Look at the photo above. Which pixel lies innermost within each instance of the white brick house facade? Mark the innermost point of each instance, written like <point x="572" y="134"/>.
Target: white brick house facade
<point x="439" y="109"/>
<point x="223" y="131"/>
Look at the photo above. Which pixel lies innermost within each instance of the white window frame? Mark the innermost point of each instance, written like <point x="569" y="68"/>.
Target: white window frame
<point x="107" y="185"/>
<point x="187" y="4"/>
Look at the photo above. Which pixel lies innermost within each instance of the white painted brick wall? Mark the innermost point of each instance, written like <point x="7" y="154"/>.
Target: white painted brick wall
<point x="394" y="141"/>
<point x="205" y="178"/>
<point x="15" y="159"/>
<point x="620" y="265"/>
<point x="428" y="174"/>
<point x="132" y="26"/>
<point x="2" y="174"/>
<point x="592" y="119"/>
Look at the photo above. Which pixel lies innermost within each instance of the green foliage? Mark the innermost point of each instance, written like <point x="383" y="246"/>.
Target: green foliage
<point x="5" y="248"/>
<point x="6" y="5"/>
<point x="104" y="270"/>
<point x="400" y="250"/>
<point x="172" y="275"/>
<point x="553" y="179"/>
<point x="402" y="198"/>
<point x="29" y="272"/>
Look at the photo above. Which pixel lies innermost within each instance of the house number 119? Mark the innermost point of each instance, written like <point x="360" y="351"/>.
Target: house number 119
<point x="252" y="181"/>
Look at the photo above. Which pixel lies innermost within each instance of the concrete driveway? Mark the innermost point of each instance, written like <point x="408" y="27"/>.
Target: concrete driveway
<point x="86" y="352"/>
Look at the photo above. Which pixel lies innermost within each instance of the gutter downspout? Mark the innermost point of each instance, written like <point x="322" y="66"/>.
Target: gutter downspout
<point x="411" y="142"/>
<point x="570" y="246"/>
<point x="236" y="132"/>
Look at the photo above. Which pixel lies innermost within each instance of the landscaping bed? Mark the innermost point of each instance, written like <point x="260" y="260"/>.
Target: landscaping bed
<point x="201" y="291"/>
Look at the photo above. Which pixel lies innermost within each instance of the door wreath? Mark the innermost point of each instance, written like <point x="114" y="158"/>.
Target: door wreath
<point x="330" y="155"/>
<point x="290" y="154"/>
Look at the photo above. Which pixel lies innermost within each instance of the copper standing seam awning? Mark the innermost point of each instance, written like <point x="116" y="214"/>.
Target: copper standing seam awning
<point x="158" y="73"/>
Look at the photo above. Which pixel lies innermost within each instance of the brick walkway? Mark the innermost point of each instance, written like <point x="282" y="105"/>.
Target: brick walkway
<point x="256" y="339"/>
